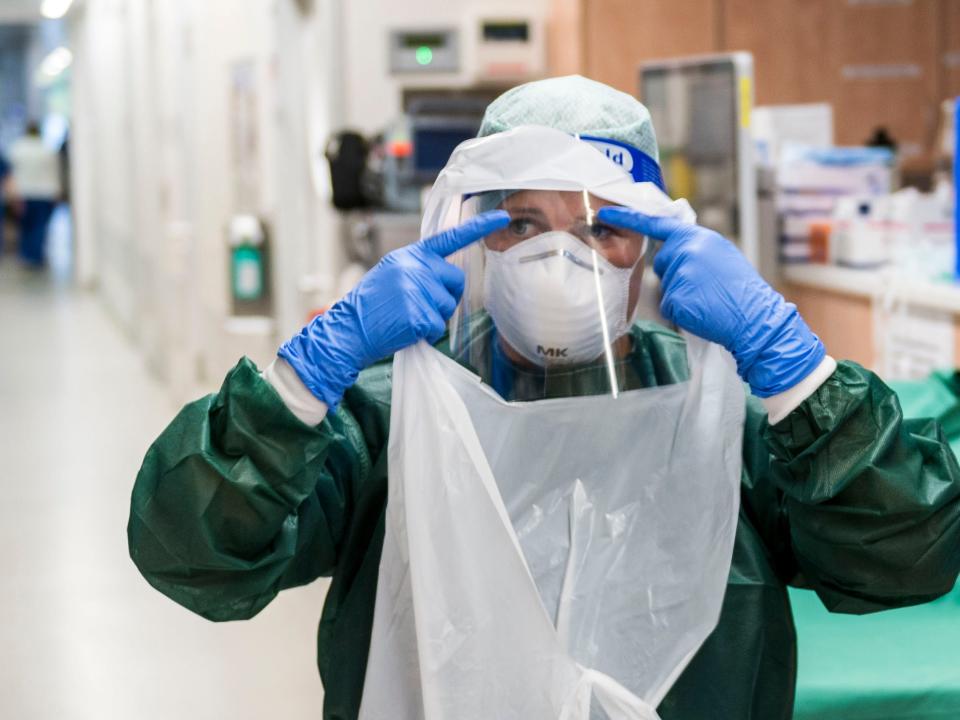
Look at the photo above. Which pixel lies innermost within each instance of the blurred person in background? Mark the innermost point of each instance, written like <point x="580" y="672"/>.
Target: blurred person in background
<point x="6" y="197"/>
<point x="4" y="178"/>
<point x="36" y="177"/>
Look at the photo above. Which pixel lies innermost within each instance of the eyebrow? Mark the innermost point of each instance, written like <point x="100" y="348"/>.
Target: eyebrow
<point x="525" y="210"/>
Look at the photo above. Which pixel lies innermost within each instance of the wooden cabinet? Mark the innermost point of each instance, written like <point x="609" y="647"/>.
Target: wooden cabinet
<point x="878" y="62"/>
<point x="950" y="48"/>
<point x="565" y="44"/>
<point x="886" y="71"/>
<point x="620" y="34"/>
<point x="843" y="322"/>
<point x="875" y="62"/>
<point x="792" y="62"/>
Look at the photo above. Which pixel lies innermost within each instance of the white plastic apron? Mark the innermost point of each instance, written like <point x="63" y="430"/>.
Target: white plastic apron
<point x="559" y="559"/>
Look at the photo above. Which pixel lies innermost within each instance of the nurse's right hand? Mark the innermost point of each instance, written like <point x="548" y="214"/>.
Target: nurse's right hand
<point x="407" y="297"/>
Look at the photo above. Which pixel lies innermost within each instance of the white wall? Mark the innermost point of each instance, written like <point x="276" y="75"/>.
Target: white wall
<point x="154" y="171"/>
<point x="309" y="107"/>
<point x="105" y="222"/>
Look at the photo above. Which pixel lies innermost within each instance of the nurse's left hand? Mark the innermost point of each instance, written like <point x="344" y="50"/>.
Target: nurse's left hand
<point x="711" y="290"/>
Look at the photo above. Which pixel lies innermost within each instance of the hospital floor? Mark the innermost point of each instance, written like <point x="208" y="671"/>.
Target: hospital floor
<point x="82" y="635"/>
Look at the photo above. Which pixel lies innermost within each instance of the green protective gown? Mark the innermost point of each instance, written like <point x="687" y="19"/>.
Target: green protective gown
<point x="237" y="500"/>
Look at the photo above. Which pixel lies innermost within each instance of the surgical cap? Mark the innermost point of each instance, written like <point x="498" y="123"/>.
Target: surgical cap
<point x="574" y="104"/>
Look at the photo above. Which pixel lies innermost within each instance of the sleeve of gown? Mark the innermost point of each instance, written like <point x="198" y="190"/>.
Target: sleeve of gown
<point x="870" y="500"/>
<point x="238" y="499"/>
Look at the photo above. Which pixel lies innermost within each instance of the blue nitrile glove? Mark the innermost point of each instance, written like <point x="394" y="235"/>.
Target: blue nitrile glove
<point x="711" y="290"/>
<point x="408" y="296"/>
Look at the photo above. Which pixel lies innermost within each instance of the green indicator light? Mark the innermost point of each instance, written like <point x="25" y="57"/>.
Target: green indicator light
<point x="424" y="55"/>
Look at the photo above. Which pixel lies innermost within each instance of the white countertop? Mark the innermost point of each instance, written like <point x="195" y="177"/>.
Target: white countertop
<point x="876" y="284"/>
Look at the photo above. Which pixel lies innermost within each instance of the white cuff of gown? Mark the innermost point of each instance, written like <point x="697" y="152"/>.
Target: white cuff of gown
<point x="780" y="405"/>
<point x="295" y="395"/>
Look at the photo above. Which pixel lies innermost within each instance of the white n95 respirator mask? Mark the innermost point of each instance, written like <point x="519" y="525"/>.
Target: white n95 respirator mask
<point x="545" y="296"/>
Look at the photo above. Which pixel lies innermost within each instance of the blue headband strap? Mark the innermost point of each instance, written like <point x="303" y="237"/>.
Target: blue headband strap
<point x="641" y="166"/>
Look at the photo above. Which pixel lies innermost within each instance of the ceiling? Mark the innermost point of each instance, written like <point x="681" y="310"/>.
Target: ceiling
<point x="17" y="11"/>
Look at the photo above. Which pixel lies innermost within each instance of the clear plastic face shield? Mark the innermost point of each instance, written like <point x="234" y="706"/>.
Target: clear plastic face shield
<point x="550" y="300"/>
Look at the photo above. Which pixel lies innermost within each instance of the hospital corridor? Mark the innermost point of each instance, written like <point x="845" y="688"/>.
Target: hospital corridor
<point x="461" y="359"/>
<point x="70" y="648"/>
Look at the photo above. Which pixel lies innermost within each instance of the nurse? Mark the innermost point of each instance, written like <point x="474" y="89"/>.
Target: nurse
<point x="281" y="476"/>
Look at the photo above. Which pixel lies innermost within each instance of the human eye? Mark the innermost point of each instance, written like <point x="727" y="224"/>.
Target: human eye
<point x="522" y="227"/>
<point x="600" y="232"/>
